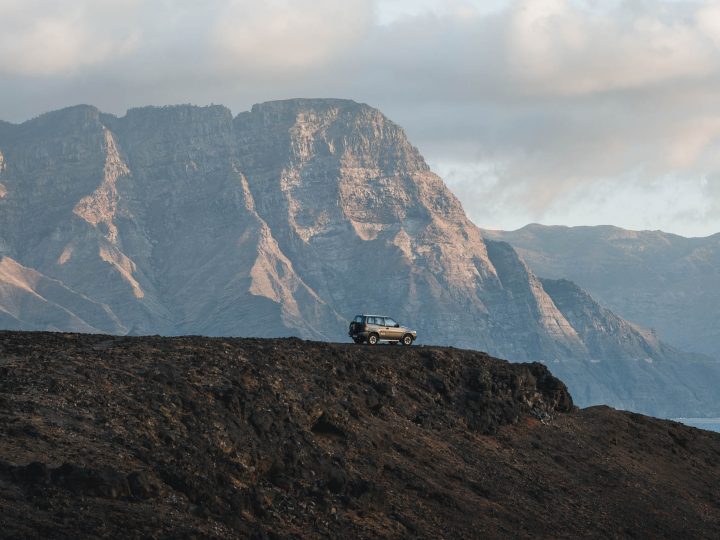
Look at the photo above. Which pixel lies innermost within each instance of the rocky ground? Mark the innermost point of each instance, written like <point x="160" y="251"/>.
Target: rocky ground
<point x="151" y="437"/>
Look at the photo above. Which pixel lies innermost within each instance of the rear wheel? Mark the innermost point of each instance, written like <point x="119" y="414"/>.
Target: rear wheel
<point x="358" y="340"/>
<point x="373" y="339"/>
<point x="407" y="339"/>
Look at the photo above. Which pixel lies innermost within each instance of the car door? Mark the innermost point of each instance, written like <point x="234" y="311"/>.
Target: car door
<point x="374" y="325"/>
<point x="391" y="329"/>
<point x="380" y="328"/>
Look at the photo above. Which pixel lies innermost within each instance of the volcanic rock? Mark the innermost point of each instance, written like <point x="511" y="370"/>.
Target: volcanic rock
<point x="152" y="437"/>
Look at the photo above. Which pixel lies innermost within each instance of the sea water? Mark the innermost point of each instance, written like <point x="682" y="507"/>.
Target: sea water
<point x="711" y="424"/>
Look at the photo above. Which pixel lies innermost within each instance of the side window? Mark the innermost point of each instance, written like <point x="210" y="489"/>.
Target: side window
<point x="374" y="320"/>
<point x="359" y="319"/>
<point x="381" y="321"/>
<point x="389" y="322"/>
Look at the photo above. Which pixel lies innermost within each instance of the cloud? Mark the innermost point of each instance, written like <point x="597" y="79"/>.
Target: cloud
<point x="41" y="37"/>
<point x="285" y="34"/>
<point x="558" y="47"/>
<point x="535" y="110"/>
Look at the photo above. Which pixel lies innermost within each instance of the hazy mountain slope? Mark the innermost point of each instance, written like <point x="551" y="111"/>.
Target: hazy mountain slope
<point x="32" y="301"/>
<point x="662" y="281"/>
<point x="285" y="220"/>
<point x="58" y="216"/>
<point x="650" y="376"/>
<point x="154" y="220"/>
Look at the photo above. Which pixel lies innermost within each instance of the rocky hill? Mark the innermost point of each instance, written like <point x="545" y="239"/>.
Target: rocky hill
<point x="150" y="437"/>
<point x="284" y="220"/>
<point x="662" y="281"/>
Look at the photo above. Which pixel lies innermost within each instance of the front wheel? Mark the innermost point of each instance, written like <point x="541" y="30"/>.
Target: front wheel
<point x="373" y="339"/>
<point x="407" y="339"/>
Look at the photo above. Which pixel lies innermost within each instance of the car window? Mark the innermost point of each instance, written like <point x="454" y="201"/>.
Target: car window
<point x="375" y="320"/>
<point x="389" y="322"/>
<point x="359" y="319"/>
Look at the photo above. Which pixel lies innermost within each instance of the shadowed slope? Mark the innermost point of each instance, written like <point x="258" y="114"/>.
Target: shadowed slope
<point x="223" y="438"/>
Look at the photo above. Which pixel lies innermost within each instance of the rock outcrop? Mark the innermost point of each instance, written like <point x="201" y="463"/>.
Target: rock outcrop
<point x="287" y="219"/>
<point x="150" y="437"/>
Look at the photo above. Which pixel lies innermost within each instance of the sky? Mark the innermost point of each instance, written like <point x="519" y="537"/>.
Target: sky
<point x="572" y="112"/>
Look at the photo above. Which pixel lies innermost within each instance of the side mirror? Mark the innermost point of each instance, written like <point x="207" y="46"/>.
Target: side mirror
<point x="397" y="325"/>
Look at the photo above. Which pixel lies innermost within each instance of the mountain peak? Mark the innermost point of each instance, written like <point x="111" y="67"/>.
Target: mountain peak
<point x="69" y="119"/>
<point x="340" y="129"/>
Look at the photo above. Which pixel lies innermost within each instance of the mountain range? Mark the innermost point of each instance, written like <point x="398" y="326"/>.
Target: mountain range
<point x="289" y="219"/>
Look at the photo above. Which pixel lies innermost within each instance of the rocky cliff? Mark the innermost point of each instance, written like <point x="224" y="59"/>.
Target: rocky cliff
<point x="287" y="219"/>
<point x="150" y="437"/>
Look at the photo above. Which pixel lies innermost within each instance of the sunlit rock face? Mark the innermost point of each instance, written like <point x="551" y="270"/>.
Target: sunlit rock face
<point x="287" y="219"/>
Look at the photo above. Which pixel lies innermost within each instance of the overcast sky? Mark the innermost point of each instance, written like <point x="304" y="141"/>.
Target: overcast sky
<point x="553" y="111"/>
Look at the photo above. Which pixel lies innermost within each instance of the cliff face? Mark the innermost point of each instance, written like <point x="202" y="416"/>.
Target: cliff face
<point x="288" y="219"/>
<point x="227" y="438"/>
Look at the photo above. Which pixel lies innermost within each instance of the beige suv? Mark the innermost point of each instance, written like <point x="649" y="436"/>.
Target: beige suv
<point x="374" y="328"/>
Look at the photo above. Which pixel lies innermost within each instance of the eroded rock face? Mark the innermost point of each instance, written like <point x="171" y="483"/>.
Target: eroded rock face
<point x="288" y="219"/>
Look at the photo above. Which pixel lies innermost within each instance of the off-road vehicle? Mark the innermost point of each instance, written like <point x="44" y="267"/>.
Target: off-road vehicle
<point x="374" y="328"/>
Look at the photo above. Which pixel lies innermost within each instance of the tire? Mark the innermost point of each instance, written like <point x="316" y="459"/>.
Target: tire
<point x="373" y="339"/>
<point x="358" y="340"/>
<point x="407" y="340"/>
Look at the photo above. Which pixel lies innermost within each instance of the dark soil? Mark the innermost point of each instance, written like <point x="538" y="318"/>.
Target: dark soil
<point x="152" y="437"/>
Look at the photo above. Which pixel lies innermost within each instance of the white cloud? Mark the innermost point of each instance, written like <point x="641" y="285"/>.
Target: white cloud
<point x="286" y="34"/>
<point x="559" y="47"/>
<point x="41" y="37"/>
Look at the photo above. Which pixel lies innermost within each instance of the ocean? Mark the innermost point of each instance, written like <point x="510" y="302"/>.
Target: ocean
<point x="711" y="424"/>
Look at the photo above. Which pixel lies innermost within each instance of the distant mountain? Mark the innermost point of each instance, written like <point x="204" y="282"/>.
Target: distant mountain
<point x="651" y="374"/>
<point x="662" y="281"/>
<point x="286" y="219"/>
